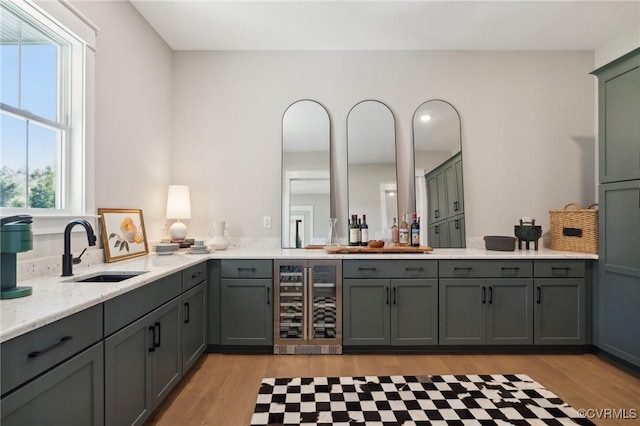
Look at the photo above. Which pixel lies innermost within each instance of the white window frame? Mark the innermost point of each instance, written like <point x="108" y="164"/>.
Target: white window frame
<point x="77" y="162"/>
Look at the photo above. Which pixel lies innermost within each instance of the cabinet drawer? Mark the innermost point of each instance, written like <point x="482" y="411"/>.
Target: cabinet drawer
<point x="26" y="356"/>
<point x="247" y="268"/>
<point x="126" y="308"/>
<point x="486" y="268"/>
<point x="558" y="269"/>
<point x="390" y="268"/>
<point x="194" y="275"/>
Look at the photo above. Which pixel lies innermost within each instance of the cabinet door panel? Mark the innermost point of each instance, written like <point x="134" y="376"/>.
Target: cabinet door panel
<point x="462" y="312"/>
<point x="414" y="312"/>
<point x="167" y="356"/>
<point x="510" y="312"/>
<point x="621" y="317"/>
<point x="439" y="234"/>
<point x="247" y="312"/>
<point x="559" y="311"/>
<point x="194" y="329"/>
<point x="127" y="375"/>
<point x="620" y="147"/>
<point x="455" y="227"/>
<point x="70" y="394"/>
<point x="366" y="312"/>
<point x="620" y="218"/>
<point x="437" y="197"/>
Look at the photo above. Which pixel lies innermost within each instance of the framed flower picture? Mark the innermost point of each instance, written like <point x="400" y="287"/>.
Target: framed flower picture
<point x="123" y="234"/>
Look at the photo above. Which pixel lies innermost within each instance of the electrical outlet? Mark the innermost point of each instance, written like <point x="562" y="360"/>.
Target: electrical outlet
<point x="266" y="221"/>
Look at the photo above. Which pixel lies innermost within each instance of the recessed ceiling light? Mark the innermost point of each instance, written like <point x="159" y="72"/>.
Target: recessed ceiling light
<point x="425" y="117"/>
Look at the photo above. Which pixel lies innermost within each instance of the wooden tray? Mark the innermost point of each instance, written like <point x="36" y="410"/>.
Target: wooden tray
<point x="389" y="249"/>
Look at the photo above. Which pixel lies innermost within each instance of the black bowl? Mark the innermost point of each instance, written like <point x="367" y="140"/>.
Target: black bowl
<point x="527" y="232"/>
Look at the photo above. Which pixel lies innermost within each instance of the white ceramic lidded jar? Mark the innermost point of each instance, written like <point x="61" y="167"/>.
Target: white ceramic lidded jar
<point x="219" y="234"/>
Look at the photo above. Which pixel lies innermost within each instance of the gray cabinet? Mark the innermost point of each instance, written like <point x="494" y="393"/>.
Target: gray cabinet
<point x="143" y="359"/>
<point x="47" y="399"/>
<point x="437" y="196"/>
<point x="619" y="268"/>
<point x="246" y="303"/>
<point x="194" y="311"/>
<point x="42" y="369"/>
<point x="619" y="202"/>
<point x="560" y="302"/>
<point x="618" y="124"/>
<point x="194" y="329"/>
<point x="366" y="312"/>
<point x="390" y="302"/>
<point x="213" y="303"/>
<point x="143" y="362"/>
<point x="445" y="198"/>
<point x="485" y="302"/>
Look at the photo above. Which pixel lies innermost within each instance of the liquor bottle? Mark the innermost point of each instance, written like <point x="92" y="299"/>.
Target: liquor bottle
<point x="415" y="231"/>
<point x="394" y="233"/>
<point x="364" y="231"/>
<point x="354" y="237"/>
<point x="404" y="231"/>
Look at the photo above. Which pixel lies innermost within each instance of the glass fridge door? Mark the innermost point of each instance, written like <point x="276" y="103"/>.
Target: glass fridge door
<point x="325" y="288"/>
<point x="291" y="308"/>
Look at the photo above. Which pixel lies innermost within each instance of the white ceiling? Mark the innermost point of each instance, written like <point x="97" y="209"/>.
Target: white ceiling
<point x="389" y="25"/>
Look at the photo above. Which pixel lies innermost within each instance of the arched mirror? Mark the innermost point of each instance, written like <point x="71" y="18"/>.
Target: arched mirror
<point x="437" y="154"/>
<point x="371" y="164"/>
<point x="306" y="189"/>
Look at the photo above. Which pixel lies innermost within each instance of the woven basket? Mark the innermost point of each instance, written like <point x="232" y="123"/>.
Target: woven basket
<point x="574" y="229"/>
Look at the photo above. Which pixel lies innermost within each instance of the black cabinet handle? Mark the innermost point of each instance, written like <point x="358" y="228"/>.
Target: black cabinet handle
<point x="414" y="269"/>
<point x="437" y="229"/>
<point x="484" y="294"/>
<point x="515" y="268"/>
<point x="152" y="329"/>
<point x="456" y="206"/>
<point x="246" y="269"/>
<point x="387" y="288"/>
<point x="564" y="270"/>
<point x="366" y="269"/>
<point x="457" y="223"/>
<point x="395" y="298"/>
<point x="490" y="295"/>
<point x="460" y="268"/>
<point x="538" y="296"/>
<point x="196" y="275"/>
<point x="157" y="345"/>
<point x="62" y="341"/>
<point x="187" y="313"/>
<point x="436" y="213"/>
<point x="268" y="295"/>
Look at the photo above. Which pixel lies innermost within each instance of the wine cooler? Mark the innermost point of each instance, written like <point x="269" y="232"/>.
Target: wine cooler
<point x="308" y="307"/>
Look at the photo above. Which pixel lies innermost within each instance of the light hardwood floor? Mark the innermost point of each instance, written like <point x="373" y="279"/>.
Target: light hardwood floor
<point x="221" y="389"/>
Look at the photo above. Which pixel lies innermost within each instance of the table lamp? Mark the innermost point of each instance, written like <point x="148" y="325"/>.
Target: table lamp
<point x="178" y="207"/>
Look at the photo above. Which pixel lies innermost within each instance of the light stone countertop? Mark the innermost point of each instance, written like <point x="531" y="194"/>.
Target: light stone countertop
<point x="56" y="297"/>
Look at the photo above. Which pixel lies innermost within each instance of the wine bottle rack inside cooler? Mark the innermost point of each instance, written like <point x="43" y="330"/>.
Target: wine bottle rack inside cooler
<point x="308" y="311"/>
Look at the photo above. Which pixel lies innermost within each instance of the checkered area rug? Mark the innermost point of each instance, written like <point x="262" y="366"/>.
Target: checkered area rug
<point x="497" y="399"/>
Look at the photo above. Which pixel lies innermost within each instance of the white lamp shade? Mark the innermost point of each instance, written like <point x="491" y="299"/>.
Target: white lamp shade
<point x="178" y="202"/>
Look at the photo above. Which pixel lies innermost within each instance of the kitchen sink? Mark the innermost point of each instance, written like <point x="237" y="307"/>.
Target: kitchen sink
<point x="109" y="277"/>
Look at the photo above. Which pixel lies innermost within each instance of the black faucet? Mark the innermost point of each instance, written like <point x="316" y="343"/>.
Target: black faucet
<point x="67" y="257"/>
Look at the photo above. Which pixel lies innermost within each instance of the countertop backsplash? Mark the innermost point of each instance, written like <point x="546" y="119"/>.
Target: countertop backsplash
<point x="36" y="268"/>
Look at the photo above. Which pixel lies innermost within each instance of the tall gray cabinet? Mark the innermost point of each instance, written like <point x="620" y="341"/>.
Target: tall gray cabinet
<point x="445" y="198"/>
<point x="619" y="202"/>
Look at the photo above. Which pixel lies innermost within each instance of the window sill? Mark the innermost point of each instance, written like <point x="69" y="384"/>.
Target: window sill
<point x="53" y="224"/>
